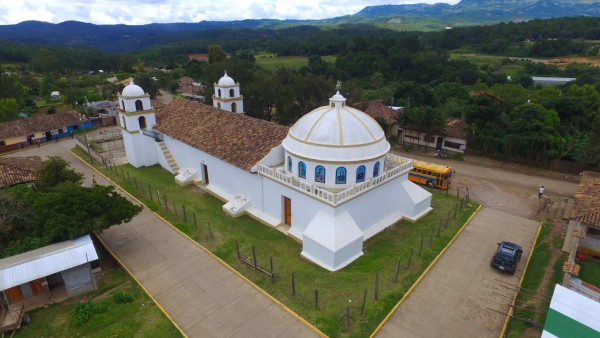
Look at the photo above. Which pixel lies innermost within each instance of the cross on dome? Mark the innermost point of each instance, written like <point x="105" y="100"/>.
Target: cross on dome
<point x="338" y="86"/>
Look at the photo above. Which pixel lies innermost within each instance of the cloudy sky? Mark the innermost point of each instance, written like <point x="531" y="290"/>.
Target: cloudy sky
<point x="147" y="11"/>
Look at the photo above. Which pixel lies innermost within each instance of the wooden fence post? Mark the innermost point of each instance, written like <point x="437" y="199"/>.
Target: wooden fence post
<point x="364" y="302"/>
<point x="195" y="224"/>
<point x="210" y="231"/>
<point x="293" y="283"/>
<point x="271" y="265"/>
<point x="175" y="209"/>
<point x="150" y="192"/>
<point x="184" y="214"/>
<point x="317" y="299"/>
<point x="397" y="271"/>
<point x="376" y="296"/>
<point x="166" y="203"/>
<point x="254" y="256"/>
<point x="421" y="247"/>
<point x="410" y="258"/>
<point x="237" y="248"/>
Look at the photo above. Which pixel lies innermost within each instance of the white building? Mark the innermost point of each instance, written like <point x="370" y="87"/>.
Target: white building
<point x="328" y="180"/>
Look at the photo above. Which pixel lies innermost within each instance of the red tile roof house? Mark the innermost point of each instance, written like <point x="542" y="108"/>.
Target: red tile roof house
<point x="19" y="170"/>
<point x="40" y="128"/>
<point x="453" y="140"/>
<point x="379" y="111"/>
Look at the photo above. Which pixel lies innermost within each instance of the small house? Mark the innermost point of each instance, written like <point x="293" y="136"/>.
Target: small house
<point x="57" y="269"/>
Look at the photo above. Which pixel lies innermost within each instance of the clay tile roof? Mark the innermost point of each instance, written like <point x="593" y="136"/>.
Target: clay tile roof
<point x="38" y="123"/>
<point x="234" y="138"/>
<point x="587" y="199"/>
<point x="455" y="127"/>
<point x="17" y="170"/>
<point x="378" y="109"/>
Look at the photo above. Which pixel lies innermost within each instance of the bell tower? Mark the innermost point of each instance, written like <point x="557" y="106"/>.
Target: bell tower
<point x="227" y="95"/>
<point x="137" y="116"/>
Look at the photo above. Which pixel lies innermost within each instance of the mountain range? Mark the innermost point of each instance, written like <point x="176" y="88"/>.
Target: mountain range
<point x="122" y="38"/>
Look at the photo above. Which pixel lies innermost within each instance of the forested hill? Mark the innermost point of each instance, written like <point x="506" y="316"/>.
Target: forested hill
<point x="484" y="11"/>
<point x="122" y="38"/>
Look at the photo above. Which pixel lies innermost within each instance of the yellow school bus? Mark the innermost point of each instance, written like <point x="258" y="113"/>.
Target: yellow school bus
<point x="431" y="175"/>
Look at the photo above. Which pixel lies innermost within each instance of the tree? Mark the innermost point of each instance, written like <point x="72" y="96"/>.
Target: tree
<point x="56" y="170"/>
<point x="9" y="108"/>
<point x="69" y="210"/>
<point x="216" y="54"/>
<point x="44" y="60"/>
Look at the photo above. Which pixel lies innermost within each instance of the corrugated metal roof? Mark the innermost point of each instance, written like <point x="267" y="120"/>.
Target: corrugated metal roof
<point x="572" y="315"/>
<point x="38" y="263"/>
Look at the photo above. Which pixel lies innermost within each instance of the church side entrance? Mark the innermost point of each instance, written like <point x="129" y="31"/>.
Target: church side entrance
<point x="287" y="211"/>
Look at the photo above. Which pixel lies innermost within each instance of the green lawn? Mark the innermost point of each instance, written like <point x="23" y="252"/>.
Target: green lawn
<point x="271" y="61"/>
<point x="336" y="290"/>
<point x="139" y="318"/>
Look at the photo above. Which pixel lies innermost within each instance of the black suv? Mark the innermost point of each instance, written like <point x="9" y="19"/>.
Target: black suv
<point x="506" y="257"/>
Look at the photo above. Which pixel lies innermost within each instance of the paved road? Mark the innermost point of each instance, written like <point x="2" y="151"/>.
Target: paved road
<point x="455" y="298"/>
<point x="203" y="297"/>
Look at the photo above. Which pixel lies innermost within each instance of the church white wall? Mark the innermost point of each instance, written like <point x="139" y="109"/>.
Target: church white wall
<point x="133" y="149"/>
<point x="330" y="170"/>
<point x="228" y="179"/>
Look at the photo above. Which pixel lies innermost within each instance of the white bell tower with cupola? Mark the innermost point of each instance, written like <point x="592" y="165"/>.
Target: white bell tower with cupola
<point x="137" y="116"/>
<point x="227" y="95"/>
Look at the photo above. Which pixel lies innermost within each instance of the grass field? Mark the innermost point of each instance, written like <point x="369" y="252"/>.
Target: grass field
<point x="139" y="318"/>
<point x="271" y="62"/>
<point x="336" y="290"/>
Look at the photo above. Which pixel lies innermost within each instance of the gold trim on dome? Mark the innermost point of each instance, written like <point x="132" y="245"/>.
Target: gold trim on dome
<point x="315" y="124"/>
<point x="339" y="123"/>
<point x="336" y="145"/>
<point x="362" y="122"/>
<point x="216" y="98"/>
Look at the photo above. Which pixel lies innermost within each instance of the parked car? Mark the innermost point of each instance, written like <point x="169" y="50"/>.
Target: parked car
<point x="506" y="257"/>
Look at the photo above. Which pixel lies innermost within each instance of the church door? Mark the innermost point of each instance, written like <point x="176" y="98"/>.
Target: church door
<point x="287" y="211"/>
<point x="205" y="170"/>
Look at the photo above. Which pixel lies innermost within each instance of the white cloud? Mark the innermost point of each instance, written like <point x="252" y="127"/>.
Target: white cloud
<point x="149" y="11"/>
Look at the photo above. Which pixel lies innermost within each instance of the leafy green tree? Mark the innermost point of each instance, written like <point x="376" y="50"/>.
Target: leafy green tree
<point x="45" y="60"/>
<point x="9" y="108"/>
<point x="69" y="210"/>
<point x="56" y="170"/>
<point x="216" y="54"/>
<point x="593" y="149"/>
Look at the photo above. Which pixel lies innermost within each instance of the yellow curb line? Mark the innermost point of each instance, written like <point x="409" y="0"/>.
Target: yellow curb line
<point x="385" y="320"/>
<point x="511" y="309"/>
<point x="294" y="314"/>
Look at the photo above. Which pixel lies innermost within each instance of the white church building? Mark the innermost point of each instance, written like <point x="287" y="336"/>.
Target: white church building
<point x="329" y="180"/>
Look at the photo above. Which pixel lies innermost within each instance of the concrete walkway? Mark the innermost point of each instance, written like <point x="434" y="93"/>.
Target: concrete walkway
<point x="204" y="298"/>
<point x="460" y="295"/>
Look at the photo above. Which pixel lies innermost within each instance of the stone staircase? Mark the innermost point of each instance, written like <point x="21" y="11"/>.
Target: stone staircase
<point x="172" y="163"/>
<point x="561" y="208"/>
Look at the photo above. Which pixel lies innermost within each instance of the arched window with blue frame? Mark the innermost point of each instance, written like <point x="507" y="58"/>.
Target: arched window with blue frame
<point x="340" y="175"/>
<point x="376" y="169"/>
<point x="301" y="169"/>
<point x="290" y="164"/>
<point x="360" y="174"/>
<point x="320" y="174"/>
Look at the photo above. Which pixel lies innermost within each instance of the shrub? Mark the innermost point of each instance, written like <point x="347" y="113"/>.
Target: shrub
<point x="84" y="311"/>
<point x="121" y="297"/>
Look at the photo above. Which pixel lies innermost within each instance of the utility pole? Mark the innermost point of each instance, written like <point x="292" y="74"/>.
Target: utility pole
<point x="87" y="145"/>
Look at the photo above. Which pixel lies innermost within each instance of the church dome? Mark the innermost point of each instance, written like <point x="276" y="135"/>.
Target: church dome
<point x="226" y="81"/>
<point x="132" y="90"/>
<point x="336" y="133"/>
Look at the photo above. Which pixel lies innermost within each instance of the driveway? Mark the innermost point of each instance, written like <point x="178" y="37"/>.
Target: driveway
<point x="455" y="297"/>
